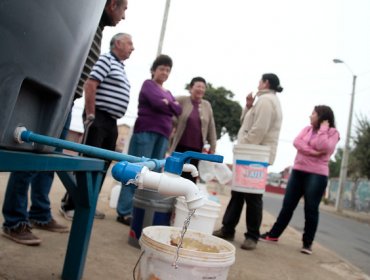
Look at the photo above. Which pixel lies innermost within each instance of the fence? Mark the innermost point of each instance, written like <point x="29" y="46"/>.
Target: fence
<point x="356" y="194"/>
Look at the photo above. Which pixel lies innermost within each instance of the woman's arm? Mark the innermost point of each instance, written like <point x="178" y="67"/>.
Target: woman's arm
<point x="159" y="100"/>
<point x="301" y="144"/>
<point x="263" y="111"/>
<point x="326" y="140"/>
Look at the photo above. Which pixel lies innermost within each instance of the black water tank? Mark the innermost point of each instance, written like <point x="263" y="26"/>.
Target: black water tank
<point x="43" y="47"/>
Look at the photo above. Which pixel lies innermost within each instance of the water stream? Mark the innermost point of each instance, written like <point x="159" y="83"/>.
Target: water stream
<point x="183" y="231"/>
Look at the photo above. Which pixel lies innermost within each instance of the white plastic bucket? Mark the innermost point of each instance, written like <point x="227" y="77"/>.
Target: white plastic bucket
<point x="204" y="218"/>
<point x="114" y="195"/>
<point x="194" y="263"/>
<point x="250" y="168"/>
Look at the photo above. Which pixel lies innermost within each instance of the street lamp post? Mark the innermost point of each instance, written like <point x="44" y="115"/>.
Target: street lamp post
<point x="344" y="163"/>
<point x="164" y="25"/>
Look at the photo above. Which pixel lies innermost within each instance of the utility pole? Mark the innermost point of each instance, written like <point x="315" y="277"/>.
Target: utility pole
<point x="344" y="163"/>
<point x="163" y="29"/>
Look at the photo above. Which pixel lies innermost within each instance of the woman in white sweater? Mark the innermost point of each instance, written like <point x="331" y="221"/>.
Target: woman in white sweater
<point x="261" y="123"/>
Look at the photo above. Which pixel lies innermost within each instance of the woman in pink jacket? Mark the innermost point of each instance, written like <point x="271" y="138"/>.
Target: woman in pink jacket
<point x="315" y="144"/>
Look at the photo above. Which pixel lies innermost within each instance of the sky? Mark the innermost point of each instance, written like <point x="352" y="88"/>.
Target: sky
<point x="232" y="43"/>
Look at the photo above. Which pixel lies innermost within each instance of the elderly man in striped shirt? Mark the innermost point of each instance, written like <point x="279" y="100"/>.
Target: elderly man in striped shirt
<point x="107" y="94"/>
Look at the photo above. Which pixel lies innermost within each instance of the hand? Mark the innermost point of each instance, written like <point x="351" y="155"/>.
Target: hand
<point x="87" y="123"/>
<point x="165" y="101"/>
<point x="325" y="123"/>
<point x="89" y="120"/>
<point x="250" y="100"/>
<point x="316" y="153"/>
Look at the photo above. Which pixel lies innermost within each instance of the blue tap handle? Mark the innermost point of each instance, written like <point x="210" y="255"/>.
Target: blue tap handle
<point x="175" y="162"/>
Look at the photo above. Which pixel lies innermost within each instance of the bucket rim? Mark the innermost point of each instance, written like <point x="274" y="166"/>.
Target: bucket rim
<point x="206" y="213"/>
<point x="227" y="256"/>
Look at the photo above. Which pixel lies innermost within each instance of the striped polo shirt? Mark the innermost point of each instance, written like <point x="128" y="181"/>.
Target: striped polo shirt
<point x="113" y="92"/>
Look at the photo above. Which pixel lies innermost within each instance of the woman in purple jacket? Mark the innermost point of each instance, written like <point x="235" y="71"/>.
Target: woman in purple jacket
<point x="315" y="144"/>
<point x="152" y="128"/>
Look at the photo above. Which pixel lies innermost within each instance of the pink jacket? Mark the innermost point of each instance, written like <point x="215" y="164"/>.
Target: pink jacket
<point x="309" y="143"/>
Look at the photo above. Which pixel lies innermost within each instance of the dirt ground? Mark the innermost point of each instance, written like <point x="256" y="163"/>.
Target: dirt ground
<point x="111" y="257"/>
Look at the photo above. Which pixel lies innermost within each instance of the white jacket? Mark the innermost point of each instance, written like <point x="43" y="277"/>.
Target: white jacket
<point x="260" y="125"/>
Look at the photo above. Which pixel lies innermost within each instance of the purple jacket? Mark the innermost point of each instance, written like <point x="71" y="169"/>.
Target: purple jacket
<point x="308" y="143"/>
<point x="154" y="115"/>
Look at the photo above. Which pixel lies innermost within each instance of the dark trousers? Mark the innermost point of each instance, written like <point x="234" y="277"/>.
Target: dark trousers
<point x="311" y="187"/>
<point x="101" y="133"/>
<point x="253" y="214"/>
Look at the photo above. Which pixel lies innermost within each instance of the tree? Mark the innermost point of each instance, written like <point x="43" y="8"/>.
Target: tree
<point x="359" y="155"/>
<point x="226" y="111"/>
<point x="361" y="151"/>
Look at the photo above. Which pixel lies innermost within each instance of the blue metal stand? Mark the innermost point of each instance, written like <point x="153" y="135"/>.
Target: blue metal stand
<point x="84" y="188"/>
<point x="85" y="185"/>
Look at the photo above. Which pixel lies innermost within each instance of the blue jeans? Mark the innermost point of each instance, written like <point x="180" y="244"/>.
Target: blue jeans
<point x="16" y="196"/>
<point x="144" y="144"/>
<point x="311" y="187"/>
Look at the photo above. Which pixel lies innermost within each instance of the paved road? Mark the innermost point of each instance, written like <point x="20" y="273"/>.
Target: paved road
<point x="348" y="238"/>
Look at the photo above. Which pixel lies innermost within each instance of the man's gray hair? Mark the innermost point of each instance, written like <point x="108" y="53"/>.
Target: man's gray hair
<point x="116" y="38"/>
<point x="118" y="2"/>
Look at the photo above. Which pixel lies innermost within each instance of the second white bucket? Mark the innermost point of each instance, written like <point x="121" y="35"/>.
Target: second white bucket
<point x="204" y="218"/>
<point x="250" y="168"/>
<point x="202" y="256"/>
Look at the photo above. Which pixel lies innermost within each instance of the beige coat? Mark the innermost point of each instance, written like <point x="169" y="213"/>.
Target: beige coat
<point x="206" y="118"/>
<point x="260" y="125"/>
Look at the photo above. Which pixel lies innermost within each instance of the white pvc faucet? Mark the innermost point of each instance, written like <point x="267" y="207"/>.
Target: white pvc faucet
<point x="170" y="184"/>
<point x="187" y="167"/>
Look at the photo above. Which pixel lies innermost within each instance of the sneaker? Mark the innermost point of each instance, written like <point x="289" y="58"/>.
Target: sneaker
<point x="99" y="215"/>
<point x="266" y="237"/>
<point x="126" y="220"/>
<point x="22" y="235"/>
<point x="50" y="226"/>
<point x="67" y="214"/>
<point x="306" y="249"/>
<point x="221" y="234"/>
<point x="249" y="244"/>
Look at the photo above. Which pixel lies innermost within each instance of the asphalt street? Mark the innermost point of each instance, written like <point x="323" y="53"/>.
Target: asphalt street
<point x="347" y="237"/>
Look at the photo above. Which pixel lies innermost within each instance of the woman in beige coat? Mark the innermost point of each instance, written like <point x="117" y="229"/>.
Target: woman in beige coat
<point x="195" y="127"/>
<point x="261" y="123"/>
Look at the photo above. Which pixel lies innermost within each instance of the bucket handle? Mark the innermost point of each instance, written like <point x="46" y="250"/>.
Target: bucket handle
<point x="137" y="264"/>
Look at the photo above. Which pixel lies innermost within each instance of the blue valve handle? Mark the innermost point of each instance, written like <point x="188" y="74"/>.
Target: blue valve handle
<point x="174" y="164"/>
<point x="124" y="171"/>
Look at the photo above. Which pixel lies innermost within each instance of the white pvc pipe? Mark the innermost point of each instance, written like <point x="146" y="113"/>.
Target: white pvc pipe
<point x="170" y="184"/>
<point x="187" y="167"/>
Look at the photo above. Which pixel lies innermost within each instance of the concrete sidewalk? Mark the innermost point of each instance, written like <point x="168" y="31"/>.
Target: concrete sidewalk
<point x="111" y="257"/>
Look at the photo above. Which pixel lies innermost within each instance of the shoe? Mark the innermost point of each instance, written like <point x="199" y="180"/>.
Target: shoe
<point x="67" y="214"/>
<point x="221" y="234"/>
<point x="99" y="215"/>
<point x="266" y="237"/>
<point x="22" y="235"/>
<point x="126" y="220"/>
<point x="50" y="226"/>
<point x="249" y="244"/>
<point x="306" y="249"/>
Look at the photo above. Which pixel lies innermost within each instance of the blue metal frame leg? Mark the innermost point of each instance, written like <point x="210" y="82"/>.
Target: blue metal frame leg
<point x="84" y="190"/>
<point x="82" y="223"/>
